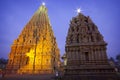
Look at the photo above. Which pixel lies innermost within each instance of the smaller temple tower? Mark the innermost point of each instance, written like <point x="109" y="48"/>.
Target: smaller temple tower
<point x="86" y="57"/>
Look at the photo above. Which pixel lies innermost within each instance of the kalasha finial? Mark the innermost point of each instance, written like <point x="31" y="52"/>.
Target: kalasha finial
<point x="43" y="3"/>
<point x="79" y="10"/>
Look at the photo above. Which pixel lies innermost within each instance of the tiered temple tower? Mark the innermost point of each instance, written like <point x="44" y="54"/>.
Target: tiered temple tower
<point x="35" y="51"/>
<point x="86" y="57"/>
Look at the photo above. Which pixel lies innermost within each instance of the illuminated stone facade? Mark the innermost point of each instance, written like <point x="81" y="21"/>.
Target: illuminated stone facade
<point x="35" y="51"/>
<point x="86" y="57"/>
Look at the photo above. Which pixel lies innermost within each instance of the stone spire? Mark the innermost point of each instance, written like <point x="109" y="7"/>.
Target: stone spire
<point x="40" y="16"/>
<point x="83" y="31"/>
<point x="86" y="52"/>
<point x="35" y="51"/>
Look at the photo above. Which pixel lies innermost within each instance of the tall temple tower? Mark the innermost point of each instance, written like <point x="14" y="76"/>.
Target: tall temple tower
<point x="86" y="57"/>
<point x="35" y="51"/>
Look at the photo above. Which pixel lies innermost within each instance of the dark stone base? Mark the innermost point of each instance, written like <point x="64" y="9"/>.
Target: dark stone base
<point x="28" y="77"/>
<point x="90" y="77"/>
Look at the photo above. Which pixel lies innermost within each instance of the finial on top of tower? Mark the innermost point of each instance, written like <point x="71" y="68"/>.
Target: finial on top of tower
<point x="43" y="3"/>
<point x="79" y="10"/>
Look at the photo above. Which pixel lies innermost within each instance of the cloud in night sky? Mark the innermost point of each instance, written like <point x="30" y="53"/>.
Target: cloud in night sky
<point x="14" y="15"/>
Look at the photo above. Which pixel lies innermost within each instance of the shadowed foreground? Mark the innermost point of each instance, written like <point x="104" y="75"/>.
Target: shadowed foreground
<point x="50" y="77"/>
<point x="29" y="77"/>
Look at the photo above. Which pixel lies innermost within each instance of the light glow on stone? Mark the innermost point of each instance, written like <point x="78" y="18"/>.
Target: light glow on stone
<point x="40" y="60"/>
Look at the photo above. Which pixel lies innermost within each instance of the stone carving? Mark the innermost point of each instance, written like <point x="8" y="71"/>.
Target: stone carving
<point x="87" y="54"/>
<point x="35" y="51"/>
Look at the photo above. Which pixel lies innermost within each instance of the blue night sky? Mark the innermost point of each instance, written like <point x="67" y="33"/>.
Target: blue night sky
<point x="14" y="15"/>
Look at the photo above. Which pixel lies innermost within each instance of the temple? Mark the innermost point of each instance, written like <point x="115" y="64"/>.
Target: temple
<point x="86" y="57"/>
<point x="35" y="51"/>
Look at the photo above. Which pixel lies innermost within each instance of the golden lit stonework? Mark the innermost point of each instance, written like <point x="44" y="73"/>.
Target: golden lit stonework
<point x="35" y="51"/>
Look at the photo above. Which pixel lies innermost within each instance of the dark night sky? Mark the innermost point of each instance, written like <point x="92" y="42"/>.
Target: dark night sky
<point x="14" y="15"/>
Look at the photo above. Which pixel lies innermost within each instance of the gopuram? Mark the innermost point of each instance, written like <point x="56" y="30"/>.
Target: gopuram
<point x="35" y="51"/>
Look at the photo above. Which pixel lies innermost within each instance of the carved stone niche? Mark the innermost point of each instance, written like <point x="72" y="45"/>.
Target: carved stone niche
<point x="86" y="49"/>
